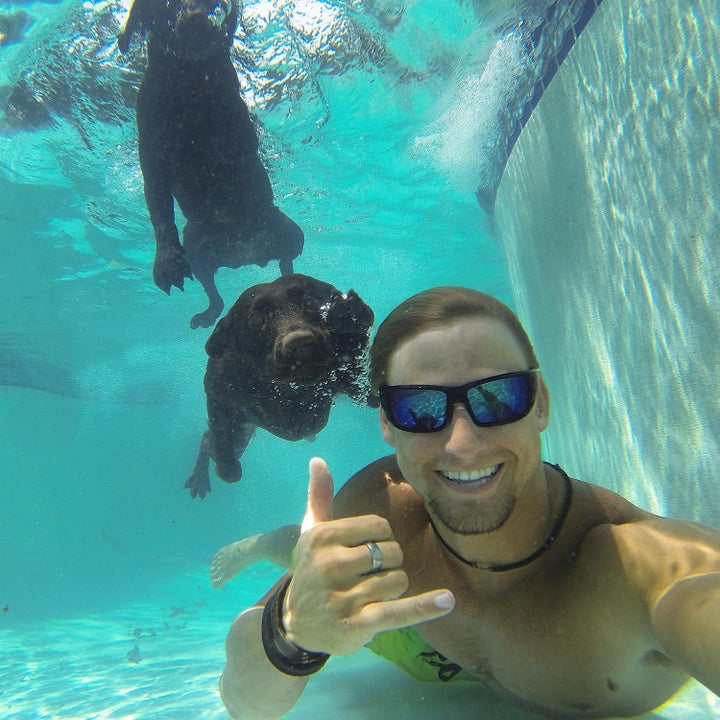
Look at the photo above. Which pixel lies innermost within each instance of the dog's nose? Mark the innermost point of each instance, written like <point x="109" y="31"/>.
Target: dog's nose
<point x="299" y="345"/>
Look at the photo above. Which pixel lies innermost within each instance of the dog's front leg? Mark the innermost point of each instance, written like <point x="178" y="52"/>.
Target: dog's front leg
<point x="171" y="266"/>
<point x="199" y="481"/>
<point x="229" y="436"/>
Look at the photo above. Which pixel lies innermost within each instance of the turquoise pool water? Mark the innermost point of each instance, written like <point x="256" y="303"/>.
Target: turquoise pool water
<point x="378" y="127"/>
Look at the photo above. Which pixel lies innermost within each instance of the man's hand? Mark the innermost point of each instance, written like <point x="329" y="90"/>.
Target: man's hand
<point x="333" y="604"/>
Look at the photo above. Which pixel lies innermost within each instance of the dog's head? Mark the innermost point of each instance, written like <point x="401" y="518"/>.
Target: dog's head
<point x="295" y="329"/>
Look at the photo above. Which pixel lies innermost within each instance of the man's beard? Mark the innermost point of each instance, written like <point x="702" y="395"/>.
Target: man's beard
<point x="471" y="517"/>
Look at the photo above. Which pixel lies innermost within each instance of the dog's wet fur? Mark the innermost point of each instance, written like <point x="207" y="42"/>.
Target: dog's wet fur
<point x="198" y="147"/>
<point x="276" y="361"/>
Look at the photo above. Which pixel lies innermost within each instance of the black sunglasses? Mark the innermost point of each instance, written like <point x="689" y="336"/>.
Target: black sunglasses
<point x="496" y="400"/>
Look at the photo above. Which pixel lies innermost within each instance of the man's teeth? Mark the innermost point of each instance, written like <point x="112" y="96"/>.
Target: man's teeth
<point x="471" y="476"/>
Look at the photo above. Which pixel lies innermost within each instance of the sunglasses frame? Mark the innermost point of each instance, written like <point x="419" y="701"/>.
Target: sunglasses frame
<point x="459" y="395"/>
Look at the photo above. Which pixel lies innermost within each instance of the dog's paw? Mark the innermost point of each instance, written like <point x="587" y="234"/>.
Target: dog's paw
<point x="206" y="318"/>
<point x="198" y="484"/>
<point x="229" y="472"/>
<point x="171" y="268"/>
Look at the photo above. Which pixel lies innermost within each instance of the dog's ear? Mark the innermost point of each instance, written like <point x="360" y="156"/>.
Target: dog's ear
<point x="217" y="343"/>
<point x="351" y="320"/>
<point x="349" y="314"/>
<point x="357" y="311"/>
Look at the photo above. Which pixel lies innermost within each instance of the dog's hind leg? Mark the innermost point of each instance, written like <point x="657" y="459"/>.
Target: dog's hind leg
<point x="286" y="266"/>
<point x="204" y="266"/>
<point x="289" y="240"/>
<point x="207" y="317"/>
<point x="199" y="481"/>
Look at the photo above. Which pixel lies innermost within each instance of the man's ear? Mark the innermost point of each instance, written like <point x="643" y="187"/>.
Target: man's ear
<point x="542" y="404"/>
<point x="387" y="429"/>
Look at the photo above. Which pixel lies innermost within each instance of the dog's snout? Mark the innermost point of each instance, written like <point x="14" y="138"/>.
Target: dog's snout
<point x="299" y="345"/>
<point x="302" y="355"/>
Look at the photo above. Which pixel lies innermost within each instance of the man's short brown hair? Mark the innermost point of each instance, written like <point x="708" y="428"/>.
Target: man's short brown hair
<point x="434" y="308"/>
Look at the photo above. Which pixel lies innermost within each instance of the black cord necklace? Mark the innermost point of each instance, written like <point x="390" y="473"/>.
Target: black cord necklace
<point x="557" y="527"/>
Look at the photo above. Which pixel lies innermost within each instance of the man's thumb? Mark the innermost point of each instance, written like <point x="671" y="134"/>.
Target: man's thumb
<point x="320" y="495"/>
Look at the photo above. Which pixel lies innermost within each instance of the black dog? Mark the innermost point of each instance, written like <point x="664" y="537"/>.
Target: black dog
<point x="276" y="361"/>
<point x="198" y="145"/>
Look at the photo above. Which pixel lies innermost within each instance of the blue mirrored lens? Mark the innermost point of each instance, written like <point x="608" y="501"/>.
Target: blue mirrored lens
<point x="422" y="410"/>
<point x="493" y="401"/>
<point x="501" y="401"/>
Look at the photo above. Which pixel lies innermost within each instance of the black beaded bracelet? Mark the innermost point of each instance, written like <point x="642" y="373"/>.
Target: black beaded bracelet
<point x="284" y="654"/>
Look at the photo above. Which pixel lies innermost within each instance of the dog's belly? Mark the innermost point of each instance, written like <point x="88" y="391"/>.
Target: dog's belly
<point x="219" y="189"/>
<point x="215" y="177"/>
<point x="291" y="416"/>
<point x="208" y="142"/>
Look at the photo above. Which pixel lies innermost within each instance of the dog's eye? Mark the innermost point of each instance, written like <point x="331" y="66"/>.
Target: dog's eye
<point x="256" y="320"/>
<point x="310" y="304"/>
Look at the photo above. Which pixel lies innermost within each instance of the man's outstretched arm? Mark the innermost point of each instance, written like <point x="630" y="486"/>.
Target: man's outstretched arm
<point x="687" y="622"/>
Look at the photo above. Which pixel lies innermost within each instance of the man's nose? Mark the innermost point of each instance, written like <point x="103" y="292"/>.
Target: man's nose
<point x="462" y="432"/>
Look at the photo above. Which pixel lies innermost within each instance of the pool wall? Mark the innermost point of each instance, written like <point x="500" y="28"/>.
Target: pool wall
<point x="608" y="215"/>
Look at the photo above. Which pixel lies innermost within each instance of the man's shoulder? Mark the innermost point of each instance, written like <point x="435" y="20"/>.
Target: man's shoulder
<point x="651" y="549"/>
<point x="603" y="510"/>
<point x="595" y="517"/>
<point x="379" y="488"/>
<point x="680" y="546"/>
<point x="384" y="470"/>
<point x="604" y="505"/>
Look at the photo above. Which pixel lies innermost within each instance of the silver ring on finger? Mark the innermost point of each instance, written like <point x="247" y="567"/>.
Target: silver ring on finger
<point x="376" y="557"/>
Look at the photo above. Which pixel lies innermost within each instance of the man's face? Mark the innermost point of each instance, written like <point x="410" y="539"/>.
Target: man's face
<point x="470" y="477"/>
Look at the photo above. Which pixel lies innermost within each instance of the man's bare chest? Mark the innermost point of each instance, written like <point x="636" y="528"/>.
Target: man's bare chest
<point x="566" y="648"/>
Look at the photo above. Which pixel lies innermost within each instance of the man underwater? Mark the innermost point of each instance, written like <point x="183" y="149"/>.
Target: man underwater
<point x="560" y="595"/>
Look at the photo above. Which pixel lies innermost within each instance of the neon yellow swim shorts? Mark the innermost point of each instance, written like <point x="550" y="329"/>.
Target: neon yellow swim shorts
<point x="407" y="649"/>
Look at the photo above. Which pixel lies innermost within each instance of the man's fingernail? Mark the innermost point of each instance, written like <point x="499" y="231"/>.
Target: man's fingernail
<point x="446" y="601"/>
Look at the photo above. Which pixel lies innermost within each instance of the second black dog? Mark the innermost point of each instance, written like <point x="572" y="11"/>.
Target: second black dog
<point x="277" y="360"/>
<point x="198" y="146"/>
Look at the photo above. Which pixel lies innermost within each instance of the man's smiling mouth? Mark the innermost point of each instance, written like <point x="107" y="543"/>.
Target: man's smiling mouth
<point x="482" y="475"/>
